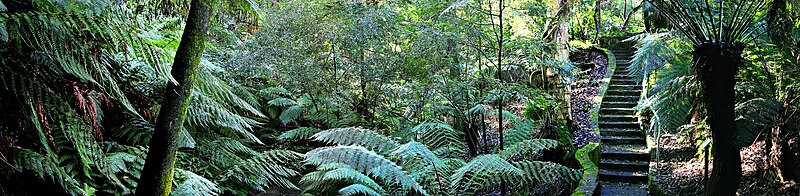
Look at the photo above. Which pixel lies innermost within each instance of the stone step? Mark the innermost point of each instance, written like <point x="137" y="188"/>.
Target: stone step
<point x="613" y="104"/>
<point x="624" y="165"/>
<point x="624" y="87"/>
<point x="638" y="152"/>
<point x="622" y="176"/>
<point x="635" y="92"/>
<point x="620" y="132"/>
<point x="624" y="81"/>
<point x="622" y="188"/>
<point x="617" y="140"/>
<point x="618" y="118"/>
<point x="616" y="111"/>
<point x="622" y="98"/>
<point x="619" y="124"/>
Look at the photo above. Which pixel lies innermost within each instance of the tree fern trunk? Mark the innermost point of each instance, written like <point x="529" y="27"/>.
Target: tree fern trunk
<point x="157" y="174"/>
<point x="716" y="65"/>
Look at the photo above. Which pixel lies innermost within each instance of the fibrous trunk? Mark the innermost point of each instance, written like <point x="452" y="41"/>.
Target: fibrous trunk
<point x="157" y="174"/>
<point x="716" y="65"/>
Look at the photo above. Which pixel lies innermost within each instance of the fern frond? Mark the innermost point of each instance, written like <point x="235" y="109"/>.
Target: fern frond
<point x="752" y="116"/>
<point x="194" y="185"/>
<point x="350" y="175"/>
<point x="526" y="147"/>
<point x="298" y="134"/>
<point x="521" y="131"/>
<point x="282" y="102"/>
<point x="483" y="172"/>
<point x="265" y="170"/>
<point x="358" y="189"/>
<point x="291" y="114"/>
<point x="652" y="53"/>
<point x="357" y="136"/>
<point x="368" y="162"/>
<point x="538" y="171"/>
<point x="438" y="135"/>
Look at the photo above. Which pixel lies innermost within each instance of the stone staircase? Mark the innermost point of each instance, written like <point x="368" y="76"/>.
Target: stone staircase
<point x="624" y="161"/>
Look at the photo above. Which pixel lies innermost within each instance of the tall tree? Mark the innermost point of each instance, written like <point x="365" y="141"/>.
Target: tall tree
<point x="156" y="178"/>
<point x="719" y="34"/>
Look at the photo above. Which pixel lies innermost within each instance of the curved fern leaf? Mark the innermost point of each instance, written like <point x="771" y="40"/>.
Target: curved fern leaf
<point x="194" y="185"/>
<point x="358" y="189"/>
<point x="365" y="161"/>
<point x="438" y="135"/>
<point x="357" y="136"/>
<point x="526" y="147"/>
<point x="291" y="114"/>
<point x="302" y="133"/>
<point x="538" y="171"/>
<point x="482" y="172"/>
<point x="282" y="102"/>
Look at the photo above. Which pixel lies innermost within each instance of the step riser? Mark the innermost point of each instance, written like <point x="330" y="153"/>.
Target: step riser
<point x="624" y="167"/>
<point x="621" y="99"/>
<point x="621" y="133"/>
<point x="624" y="82"/>
<point x="622" y="141"/>
<point x="619" y="126"/>
<point x="621" y="92"/>
<point x="616" y="112"/>
<point x="618" y="118"/>
<point x="618" y="105"/>
<point x="625" y="156"/>
<point x="620" y="87"/>
<point x="629" y="179"/>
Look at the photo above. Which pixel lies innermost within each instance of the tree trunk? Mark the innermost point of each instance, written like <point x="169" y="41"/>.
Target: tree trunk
<point x="157" y="174"/>
<point x="716" y="65"/>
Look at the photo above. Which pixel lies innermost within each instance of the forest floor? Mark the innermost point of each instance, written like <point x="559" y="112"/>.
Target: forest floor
<point x="593" y="66"/>
<point x="680" y="171"/>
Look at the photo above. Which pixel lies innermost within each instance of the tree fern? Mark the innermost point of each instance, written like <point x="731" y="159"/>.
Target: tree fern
<point x="194" y="185"/>
<point x="299" y="134"/>
<point x="357" y="136"/>
<point x="526" y="147"/>
<point x="264" y="170"/>
<point x="481" y="173"/>
<point x="538" y="171"/>
<point x="291" y="114"/>
<point x="438" y="135"/>
<point x="752" y="116"/>
<point x="358" y="189"/>
<point x="368" y="162"/>
<point x="282" y="102"/>
<point x="520" y="131"/>
<point x="652" y="53"/>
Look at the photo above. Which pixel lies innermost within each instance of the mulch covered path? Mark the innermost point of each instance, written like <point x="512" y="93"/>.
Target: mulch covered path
<point x="680" y="172"/>
<point x="593" y="65"/>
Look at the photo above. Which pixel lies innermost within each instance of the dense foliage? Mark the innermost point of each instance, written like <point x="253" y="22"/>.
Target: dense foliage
<point x="347" y="97"/>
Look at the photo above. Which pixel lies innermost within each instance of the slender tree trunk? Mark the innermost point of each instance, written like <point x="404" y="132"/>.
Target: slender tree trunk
<point x="157" y="174"/>
<point x="716" y="65"/>
<point x="597" y="16"/>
